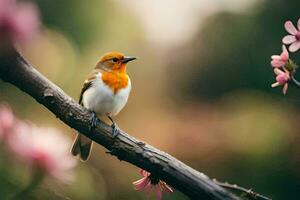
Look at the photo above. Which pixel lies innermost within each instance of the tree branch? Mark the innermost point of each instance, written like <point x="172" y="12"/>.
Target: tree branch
<point x="249" y="192"/>
<point x="15" y="70"/>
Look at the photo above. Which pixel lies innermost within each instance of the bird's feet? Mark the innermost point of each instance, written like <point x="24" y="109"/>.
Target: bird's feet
<point x="93" y="121"/>
<point x="116" y="129"/>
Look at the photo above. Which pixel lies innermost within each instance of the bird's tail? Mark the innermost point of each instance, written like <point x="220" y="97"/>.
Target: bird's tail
<point x="82" y="146"/>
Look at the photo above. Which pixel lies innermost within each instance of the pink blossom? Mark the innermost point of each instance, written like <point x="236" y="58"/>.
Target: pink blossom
<point x="18" y="22"/>
<point x="282" y="78"/>
<point x="44" y="149"/>
<point x="294" y="38"/>
<point x="280" y="60"/>
<point x="151" y="184"/>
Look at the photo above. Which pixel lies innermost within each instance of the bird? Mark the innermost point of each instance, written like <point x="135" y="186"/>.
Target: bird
<point x="105" y="92"/>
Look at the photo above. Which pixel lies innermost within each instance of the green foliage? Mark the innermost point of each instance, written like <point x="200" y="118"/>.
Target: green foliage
<point x="81" y="20"/>
<point x="232" y="52"/>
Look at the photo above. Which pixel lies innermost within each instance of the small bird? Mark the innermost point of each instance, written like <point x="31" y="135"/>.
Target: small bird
<point x="105" y="92"/>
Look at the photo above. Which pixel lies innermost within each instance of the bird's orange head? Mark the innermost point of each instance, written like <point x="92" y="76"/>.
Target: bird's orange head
<point x="114" y="61"/>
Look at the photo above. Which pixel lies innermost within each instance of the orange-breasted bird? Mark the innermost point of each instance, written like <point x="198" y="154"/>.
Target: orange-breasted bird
<point x="105" y="92"/>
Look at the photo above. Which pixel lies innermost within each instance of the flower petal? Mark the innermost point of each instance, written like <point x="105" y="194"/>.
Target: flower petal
<point x="6" y="117"/>
<point x="149" y="188"/>
<point x="289" y="39"/>
<point x="285" y="88"/>
<point x="165" y="187"/>
<point x="137" y="182"/>
<point x="278" y="71"/>
<point x="25" y="22"/>
<point x="285" y="54"/>
<point x="290" y="28"/>
<point x="298" y="24"/>
<point x="141" y="184"/>
<point x="144" y="173"/>
<point x="295" y="46"/>
<point x="275" y="84"/>
<point x="158" y="193"/>
<point x="282" y="78"/>
<point x="276" y="57"/>
<point x="277" y="63"/>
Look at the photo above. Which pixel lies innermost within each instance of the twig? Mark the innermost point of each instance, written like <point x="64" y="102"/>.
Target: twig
<point x="294" y="81"/>
<point x="249" y="192"/>
<point x="15" y="70"/>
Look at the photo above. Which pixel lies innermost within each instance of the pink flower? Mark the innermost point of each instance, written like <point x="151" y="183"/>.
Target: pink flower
<point x="18" y="22"/>
<point x="150" y="183"/>
<point x="294" y="38"/>
<point x="280" y="60"/>
<point x="44" y="149"/>
<point x="282" y="78"/>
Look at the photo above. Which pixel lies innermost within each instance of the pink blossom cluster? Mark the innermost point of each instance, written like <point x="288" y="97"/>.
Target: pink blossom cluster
<point x="282" y="65"/>
<point x="19" y="22"/>
<point x="44" y="149"/>
<point x="151" y="184"/>
<point x="282" y="74"/>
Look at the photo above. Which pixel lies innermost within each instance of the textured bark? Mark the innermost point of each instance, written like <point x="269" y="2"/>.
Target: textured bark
<point x="15" y="70"/>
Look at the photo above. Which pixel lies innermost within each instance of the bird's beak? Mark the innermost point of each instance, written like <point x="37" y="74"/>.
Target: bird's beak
<point x="127" y="59"/>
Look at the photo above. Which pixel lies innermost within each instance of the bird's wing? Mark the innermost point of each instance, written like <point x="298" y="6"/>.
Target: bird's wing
<point x="88" y="83"/>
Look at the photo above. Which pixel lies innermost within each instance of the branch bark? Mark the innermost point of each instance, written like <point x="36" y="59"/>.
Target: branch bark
<point x="15" y="70"/>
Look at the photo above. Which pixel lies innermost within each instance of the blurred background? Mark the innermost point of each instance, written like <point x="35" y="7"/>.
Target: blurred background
<point x="202" y="80"/>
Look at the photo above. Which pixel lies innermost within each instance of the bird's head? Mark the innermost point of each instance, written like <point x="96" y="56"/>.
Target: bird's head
<point x="114" y="61"/>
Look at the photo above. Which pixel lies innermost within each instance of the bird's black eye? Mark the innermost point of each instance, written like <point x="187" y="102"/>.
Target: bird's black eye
<point x="115" y="59"/>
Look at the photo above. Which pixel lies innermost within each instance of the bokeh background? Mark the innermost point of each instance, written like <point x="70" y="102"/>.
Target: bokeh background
<point x="201" y="90"/>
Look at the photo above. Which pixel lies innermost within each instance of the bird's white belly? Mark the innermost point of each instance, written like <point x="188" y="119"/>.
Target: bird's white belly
<point x="101" y="99"/>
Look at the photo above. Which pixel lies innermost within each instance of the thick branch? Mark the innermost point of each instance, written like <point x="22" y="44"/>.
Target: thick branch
<point x="14" y="69"/>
